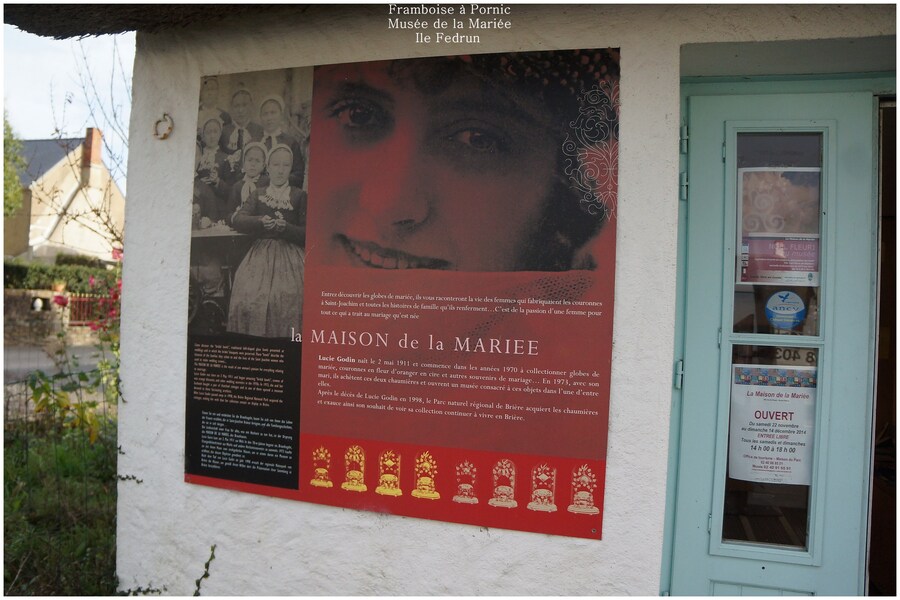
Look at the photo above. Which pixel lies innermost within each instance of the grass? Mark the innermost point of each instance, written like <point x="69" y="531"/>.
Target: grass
<point x="59" y="517"/>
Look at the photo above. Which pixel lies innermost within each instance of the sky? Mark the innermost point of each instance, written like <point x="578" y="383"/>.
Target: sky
<point x="43" y="93"/>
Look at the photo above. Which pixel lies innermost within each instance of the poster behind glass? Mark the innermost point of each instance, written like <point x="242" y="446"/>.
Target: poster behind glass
<point x="779" y="224"/>
<point x="777" y="272"/>
<point x="438" y="236"/>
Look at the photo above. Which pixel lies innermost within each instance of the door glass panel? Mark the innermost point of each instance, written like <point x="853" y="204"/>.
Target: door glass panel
<point x="770" y="445"/>
<point x="779" y="198"/>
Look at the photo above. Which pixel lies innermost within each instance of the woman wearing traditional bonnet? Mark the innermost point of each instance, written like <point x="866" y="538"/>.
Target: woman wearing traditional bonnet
<point x="272" y="117"/>
<point x="211" y="163"/>
<point x="497" y="162"/>
<point x="252" y="178"/>
<point x="267" y="296"/>
<point x="241" y="131"/>
<point x="209" y="100"/>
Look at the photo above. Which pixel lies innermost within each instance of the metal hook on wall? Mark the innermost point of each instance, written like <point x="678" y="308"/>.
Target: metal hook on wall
<point x="167" y="131"/>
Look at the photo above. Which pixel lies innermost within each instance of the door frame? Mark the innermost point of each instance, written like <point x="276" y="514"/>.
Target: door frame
<point x="879" y="84"/>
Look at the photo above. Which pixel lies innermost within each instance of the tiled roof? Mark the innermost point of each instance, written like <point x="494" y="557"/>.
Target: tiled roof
<point x="42" y="155"/>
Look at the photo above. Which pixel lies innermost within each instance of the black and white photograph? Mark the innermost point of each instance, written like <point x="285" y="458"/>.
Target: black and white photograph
<point x="248" y="207"/>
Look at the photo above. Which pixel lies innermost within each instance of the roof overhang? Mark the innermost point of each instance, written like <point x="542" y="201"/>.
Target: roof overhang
<point x="63" y="21"/>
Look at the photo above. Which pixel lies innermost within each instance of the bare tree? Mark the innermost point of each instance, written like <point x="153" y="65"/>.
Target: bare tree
<point x="107" y="98"/>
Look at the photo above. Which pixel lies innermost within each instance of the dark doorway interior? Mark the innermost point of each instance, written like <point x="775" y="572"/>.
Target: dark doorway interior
<point x="883" y="540"/>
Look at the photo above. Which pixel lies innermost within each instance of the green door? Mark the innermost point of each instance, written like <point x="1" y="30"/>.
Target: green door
<point x="775" y="401"/>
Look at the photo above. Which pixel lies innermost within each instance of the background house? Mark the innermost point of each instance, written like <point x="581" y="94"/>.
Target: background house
<point x="70" y="205"/>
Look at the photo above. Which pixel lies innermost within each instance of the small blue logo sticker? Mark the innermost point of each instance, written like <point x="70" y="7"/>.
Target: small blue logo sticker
<point x="785" y="310"/>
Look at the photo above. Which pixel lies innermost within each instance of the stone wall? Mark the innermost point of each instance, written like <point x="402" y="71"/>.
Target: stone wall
<point x="31" y="318"/>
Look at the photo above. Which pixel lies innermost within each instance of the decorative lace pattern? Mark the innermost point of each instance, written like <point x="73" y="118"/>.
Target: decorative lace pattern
<point x="592" y="152"/>
<point x="277" y="198"/>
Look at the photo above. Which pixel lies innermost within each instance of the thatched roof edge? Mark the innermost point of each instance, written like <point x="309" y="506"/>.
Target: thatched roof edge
<point x="63" y="21"/>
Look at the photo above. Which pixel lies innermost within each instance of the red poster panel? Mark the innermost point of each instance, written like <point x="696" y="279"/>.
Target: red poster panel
<point x="457" y="266"/>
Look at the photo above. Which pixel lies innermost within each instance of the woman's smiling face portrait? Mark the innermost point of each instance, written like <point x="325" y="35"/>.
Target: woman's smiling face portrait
<point x="429" y="165"/>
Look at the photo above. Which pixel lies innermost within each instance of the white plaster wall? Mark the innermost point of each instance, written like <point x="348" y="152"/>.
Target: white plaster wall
<point x="270" y="546"/>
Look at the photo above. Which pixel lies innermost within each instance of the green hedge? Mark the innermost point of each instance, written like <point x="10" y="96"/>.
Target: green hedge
<point x="39" y="276"/>
<point x="79" y="259"/>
